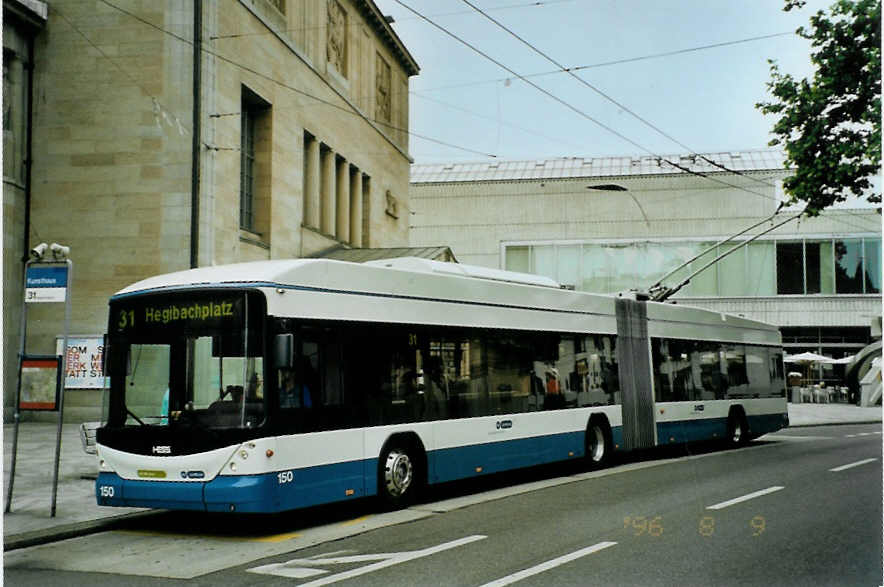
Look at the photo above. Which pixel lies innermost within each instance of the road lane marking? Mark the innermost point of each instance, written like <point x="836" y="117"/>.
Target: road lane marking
<point x="743" y="498"/>
<point x="852" y="465"/>
<point x="302" y="568"/>
<point x="276" y="537"/>
<point x="550" y="564"/>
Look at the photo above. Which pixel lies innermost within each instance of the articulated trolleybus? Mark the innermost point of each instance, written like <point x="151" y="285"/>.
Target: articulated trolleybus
<point x="275" y="385"/>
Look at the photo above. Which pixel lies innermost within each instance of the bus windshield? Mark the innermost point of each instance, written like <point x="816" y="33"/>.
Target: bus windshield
<point x="187" y="361"/>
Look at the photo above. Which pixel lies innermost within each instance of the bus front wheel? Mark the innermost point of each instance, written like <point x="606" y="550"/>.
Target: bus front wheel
<point x="397" y="479"/>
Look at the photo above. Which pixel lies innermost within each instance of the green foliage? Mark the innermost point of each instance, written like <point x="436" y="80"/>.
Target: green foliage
<point x="830" y="126"/>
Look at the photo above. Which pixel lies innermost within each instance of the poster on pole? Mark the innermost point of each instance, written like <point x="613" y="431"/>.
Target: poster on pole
<point x="40" y="382"/>
<point x="84" y="361"/>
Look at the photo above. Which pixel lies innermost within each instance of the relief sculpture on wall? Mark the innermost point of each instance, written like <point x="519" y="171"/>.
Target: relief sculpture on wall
<point x="383" y="83"/>
<point x="336" y="47"/>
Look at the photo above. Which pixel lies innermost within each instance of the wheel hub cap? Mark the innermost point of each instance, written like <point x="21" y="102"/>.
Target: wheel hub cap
<point x="398" y="472"/>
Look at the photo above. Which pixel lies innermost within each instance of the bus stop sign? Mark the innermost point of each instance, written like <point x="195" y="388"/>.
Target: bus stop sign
<point x="46" y="284"/>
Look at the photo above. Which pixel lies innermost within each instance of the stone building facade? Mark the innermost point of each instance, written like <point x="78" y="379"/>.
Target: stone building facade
<point x="614" y="223"/>
<point x="303" y="142"/>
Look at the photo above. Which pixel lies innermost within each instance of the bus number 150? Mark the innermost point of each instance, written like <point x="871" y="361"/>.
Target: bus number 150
<point x="285" y="477"/>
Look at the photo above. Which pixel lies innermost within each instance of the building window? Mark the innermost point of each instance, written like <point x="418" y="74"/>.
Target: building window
<point x="790" y="268"/>
<point x="254" y="162"/>
<point x="760" y="276"/>
<point x="848" y="266"/>
<point x="761" y="268"/>
<point x="518" y="259"/>
<point x="247" y="171"/>
<point x="872" y="265"/>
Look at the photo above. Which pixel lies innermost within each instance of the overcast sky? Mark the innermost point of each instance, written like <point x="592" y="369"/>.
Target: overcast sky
<point x="704" y="99"/>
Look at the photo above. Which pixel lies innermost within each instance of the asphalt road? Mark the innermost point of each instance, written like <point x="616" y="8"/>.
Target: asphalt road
<point x="802" y="508"/>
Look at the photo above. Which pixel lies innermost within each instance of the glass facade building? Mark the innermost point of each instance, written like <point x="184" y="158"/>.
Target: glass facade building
<point x="763" y="268"/>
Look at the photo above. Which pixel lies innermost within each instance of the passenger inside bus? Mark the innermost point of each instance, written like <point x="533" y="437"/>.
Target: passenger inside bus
<point x="294" y="389"/>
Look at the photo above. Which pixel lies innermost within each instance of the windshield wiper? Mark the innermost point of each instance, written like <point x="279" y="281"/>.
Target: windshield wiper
<point x="137" y="419"/>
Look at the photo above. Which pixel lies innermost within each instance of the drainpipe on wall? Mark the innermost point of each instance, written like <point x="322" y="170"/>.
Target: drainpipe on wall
<point x="28" y="153"/>
<point x="196" y="147"/>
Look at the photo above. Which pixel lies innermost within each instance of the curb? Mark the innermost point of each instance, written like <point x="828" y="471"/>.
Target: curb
<point x="65" y="531"/>
<point x="813" y="424"/>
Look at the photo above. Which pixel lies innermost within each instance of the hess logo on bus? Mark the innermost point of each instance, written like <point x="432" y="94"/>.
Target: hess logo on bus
<point x="161" y="450"/>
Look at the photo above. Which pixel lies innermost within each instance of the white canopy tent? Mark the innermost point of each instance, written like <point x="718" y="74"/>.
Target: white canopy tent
<point x="807" y="359"/>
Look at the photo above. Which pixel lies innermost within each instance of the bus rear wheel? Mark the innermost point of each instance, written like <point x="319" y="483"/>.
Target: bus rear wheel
<point x="737" y="429"/>
<point x="397" y="476"/>
<point x="598" y="444"/>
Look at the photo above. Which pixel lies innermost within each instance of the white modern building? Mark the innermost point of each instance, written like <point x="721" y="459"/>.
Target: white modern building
<point x="614" y="223"/>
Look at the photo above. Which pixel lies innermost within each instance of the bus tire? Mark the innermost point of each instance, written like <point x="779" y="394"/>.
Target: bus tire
<point x="399" y="474"/>
<point x="737" y="428"/>
<point x="598" y="443"/>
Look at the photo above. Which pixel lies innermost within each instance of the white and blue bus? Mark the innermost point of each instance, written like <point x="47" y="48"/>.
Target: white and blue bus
<point x="276" y="385"/>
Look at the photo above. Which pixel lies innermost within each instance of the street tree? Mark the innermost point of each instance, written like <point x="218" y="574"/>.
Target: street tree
<point x="830" y="125"/>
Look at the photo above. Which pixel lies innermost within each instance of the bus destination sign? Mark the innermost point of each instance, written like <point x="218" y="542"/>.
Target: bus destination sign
<point x="203" y="313"/>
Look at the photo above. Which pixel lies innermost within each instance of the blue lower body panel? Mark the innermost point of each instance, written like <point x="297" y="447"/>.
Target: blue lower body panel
<point x="268" y="492"/>
<point x="691" y="430"/>
<point x="468" y="461"/>
<point x="113" y="490"/>
<point x="298" y="488"/>
<point x="716" y="428"/>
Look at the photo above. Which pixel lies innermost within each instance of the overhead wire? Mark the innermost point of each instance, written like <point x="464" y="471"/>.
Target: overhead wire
<point x="354" y="111"/>
<point x="604" y="95"/>
<point x="587" y="116"/>
<point x="535" y="4"/>
<point x="348" y="109"/>
<point x="624" y="108"/>
<point x="572" y="107"/>
<point x="608" y="63"/>
<point x="476" y="114"/>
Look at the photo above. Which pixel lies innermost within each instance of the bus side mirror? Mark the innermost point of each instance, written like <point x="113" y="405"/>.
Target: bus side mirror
<point x="284" y="351"/>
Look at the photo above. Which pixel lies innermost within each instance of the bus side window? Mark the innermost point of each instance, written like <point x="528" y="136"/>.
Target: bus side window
<point x="711" y="376"/>
<point x="757" y="371"/>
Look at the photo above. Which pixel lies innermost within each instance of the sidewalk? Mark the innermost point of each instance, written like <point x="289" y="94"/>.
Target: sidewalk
<point x="77" y="513"/>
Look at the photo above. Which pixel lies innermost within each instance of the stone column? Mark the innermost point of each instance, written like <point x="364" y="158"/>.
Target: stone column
<point x="366" y="211"/>
<point x="343" y="196"/>
<point x="355" y="207"/>
<point x="327" y="191"/>
<point x="311" y="182"/>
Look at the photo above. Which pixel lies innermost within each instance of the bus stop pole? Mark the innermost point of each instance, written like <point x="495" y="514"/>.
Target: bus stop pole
<point x="64" y="371"/>
<point x="17" y="416"/>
